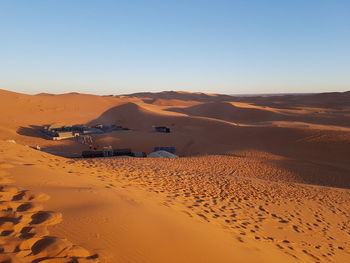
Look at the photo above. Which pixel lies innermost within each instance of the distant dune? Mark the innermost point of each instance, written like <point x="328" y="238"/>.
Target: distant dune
<point x="323" y="100"/>
<point x="180" y="95"/>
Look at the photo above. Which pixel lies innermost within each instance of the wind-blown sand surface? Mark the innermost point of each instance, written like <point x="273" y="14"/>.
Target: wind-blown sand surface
<point x="116" y="219"/>
<point x="258" y="181"/>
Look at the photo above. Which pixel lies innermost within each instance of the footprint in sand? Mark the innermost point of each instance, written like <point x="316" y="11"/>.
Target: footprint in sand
<point x="24" y="236"/>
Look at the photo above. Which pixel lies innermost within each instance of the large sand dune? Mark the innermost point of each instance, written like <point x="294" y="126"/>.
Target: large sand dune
<point x="253" y="184"/>
<point x="229" y="112"/>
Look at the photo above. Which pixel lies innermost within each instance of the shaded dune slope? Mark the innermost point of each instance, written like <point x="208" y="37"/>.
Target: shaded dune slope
<point x="335" y="100"/>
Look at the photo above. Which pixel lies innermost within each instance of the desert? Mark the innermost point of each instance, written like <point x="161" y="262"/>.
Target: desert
<point x="260" y="178"/>
<point x="174" y="131"/>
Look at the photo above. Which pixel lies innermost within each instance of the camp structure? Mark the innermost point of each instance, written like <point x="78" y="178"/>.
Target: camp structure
<point x="59" y="132"/>
<point x="139" y="154"/>
<point x="92" y="154"/>
<point x="64" y="135"/>
<point x="122" y="152"/>
<point x="107" y="152"/>
<point x="169" y="149"/>
<point x="163" y="129"/>
<point x="162" y="154"/>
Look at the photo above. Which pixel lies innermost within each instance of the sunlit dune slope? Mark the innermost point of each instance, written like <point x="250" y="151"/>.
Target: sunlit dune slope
<point x="21" y="109"/>
<point x="116" y="219"/>
<point x="188" y="210"/>
<point x="229" y="112"/>
<point x="135" y="116"/>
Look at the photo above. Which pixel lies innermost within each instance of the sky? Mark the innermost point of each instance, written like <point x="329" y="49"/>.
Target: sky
<point x="219" y="46"/>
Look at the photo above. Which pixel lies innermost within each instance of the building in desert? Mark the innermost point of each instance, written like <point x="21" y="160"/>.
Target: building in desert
<point x="107" y="152"/>
<point x="60" y="132"/>
<point x="139" y="154"/>
<point x="64" y="135"/>
<point x="169" y="149"/>
<point x="162" y="129"/>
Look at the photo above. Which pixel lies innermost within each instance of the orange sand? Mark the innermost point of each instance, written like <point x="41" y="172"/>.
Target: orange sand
<point x="257" y="182"/>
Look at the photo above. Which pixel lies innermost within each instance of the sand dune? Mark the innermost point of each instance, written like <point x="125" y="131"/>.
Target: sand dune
<point x="180" y="95"/>
<point x="24" y="223"/>
<point x="229" y="112"/>
<point x="171" y="102"/>
<point x="134" y="115"/>
<point x="206" y="128"/>
<point x="336" y="100"/>
<point x="252" y="184"/>
<point x="118" y="221"/>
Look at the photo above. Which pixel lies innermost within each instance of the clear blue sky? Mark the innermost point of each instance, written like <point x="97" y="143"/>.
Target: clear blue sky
<point x="114" y="47"/>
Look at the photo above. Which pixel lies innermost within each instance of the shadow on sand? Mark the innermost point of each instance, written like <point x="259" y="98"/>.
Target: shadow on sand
<point x="31" y="131"/>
